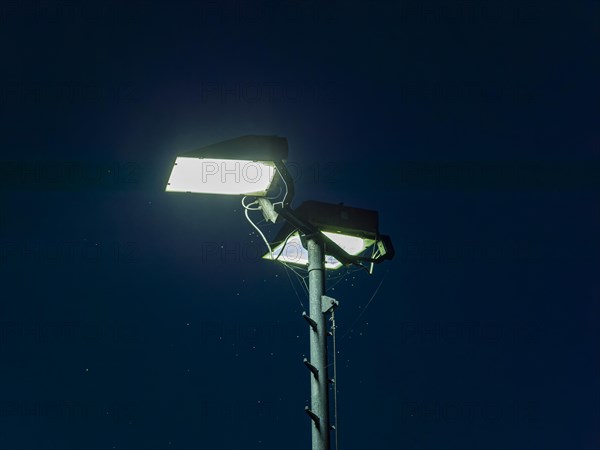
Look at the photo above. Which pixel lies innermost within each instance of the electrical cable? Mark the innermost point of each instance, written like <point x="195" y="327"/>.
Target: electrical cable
<point x="367" y="305"/>
<point x="293" y="287"/>
<point x="246" y="209"/>
<point x="286" y="187"/>
<point x="248" y="206"/>
<point x="256" y="228"/>
<point x="285" y="242"/>
<point x="302" y="278"/>
<point x="275" y="196"/>
<point x="339" y="280"/>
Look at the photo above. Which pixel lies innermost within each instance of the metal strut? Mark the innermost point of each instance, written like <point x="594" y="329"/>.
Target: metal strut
<point x="334" y="379"/>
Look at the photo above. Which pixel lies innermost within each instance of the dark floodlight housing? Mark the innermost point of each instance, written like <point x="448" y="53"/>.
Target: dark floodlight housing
<point x="340" y="218"/>
<point x="250" y="148"/>
<point x="346" y="231"/>
<point x="246" y="165"/>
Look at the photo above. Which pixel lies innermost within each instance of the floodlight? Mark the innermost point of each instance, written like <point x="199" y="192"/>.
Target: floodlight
<point x="293" y="251"/>
<point x="350" y="231"/>
<point x="242" y="166"/>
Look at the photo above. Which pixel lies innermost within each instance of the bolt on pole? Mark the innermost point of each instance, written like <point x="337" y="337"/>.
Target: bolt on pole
<point x="319" y="381"/>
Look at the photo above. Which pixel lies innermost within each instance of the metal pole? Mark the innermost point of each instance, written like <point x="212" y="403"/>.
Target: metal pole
<point x="319" y="381"/>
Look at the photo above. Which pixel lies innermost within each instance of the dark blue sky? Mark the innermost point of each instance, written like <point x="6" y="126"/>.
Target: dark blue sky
<point x="133" y="319"/>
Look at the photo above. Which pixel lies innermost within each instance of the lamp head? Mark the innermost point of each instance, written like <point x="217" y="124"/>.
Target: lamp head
<point x="353" y="230"/>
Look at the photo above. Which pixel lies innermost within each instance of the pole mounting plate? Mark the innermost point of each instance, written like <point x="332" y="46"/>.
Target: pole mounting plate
<point x="328" y="303"/>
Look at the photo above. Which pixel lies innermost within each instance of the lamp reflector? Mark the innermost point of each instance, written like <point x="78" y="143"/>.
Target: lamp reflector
<point x="295" y="253"/>
<point x="221" y="176"/>
<point x="350" y="244"/>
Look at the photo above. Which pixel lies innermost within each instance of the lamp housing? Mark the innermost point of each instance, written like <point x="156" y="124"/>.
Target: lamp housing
<point x="352" y="229"/>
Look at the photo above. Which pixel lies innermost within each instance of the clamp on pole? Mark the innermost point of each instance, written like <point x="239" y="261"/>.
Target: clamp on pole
<point x="328" y="304"/>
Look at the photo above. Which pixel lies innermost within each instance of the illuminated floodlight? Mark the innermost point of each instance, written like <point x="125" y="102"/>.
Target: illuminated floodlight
<point x="292" y="251"/>
<point x="221" y="176"/>
<point x="242" y="166"/>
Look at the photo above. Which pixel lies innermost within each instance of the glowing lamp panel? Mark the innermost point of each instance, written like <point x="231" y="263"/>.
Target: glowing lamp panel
<point x="295" y="253"/>
<point x="221" y="176"/>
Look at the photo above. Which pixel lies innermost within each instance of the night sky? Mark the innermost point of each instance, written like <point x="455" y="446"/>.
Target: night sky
<point x="135" y="319"/>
